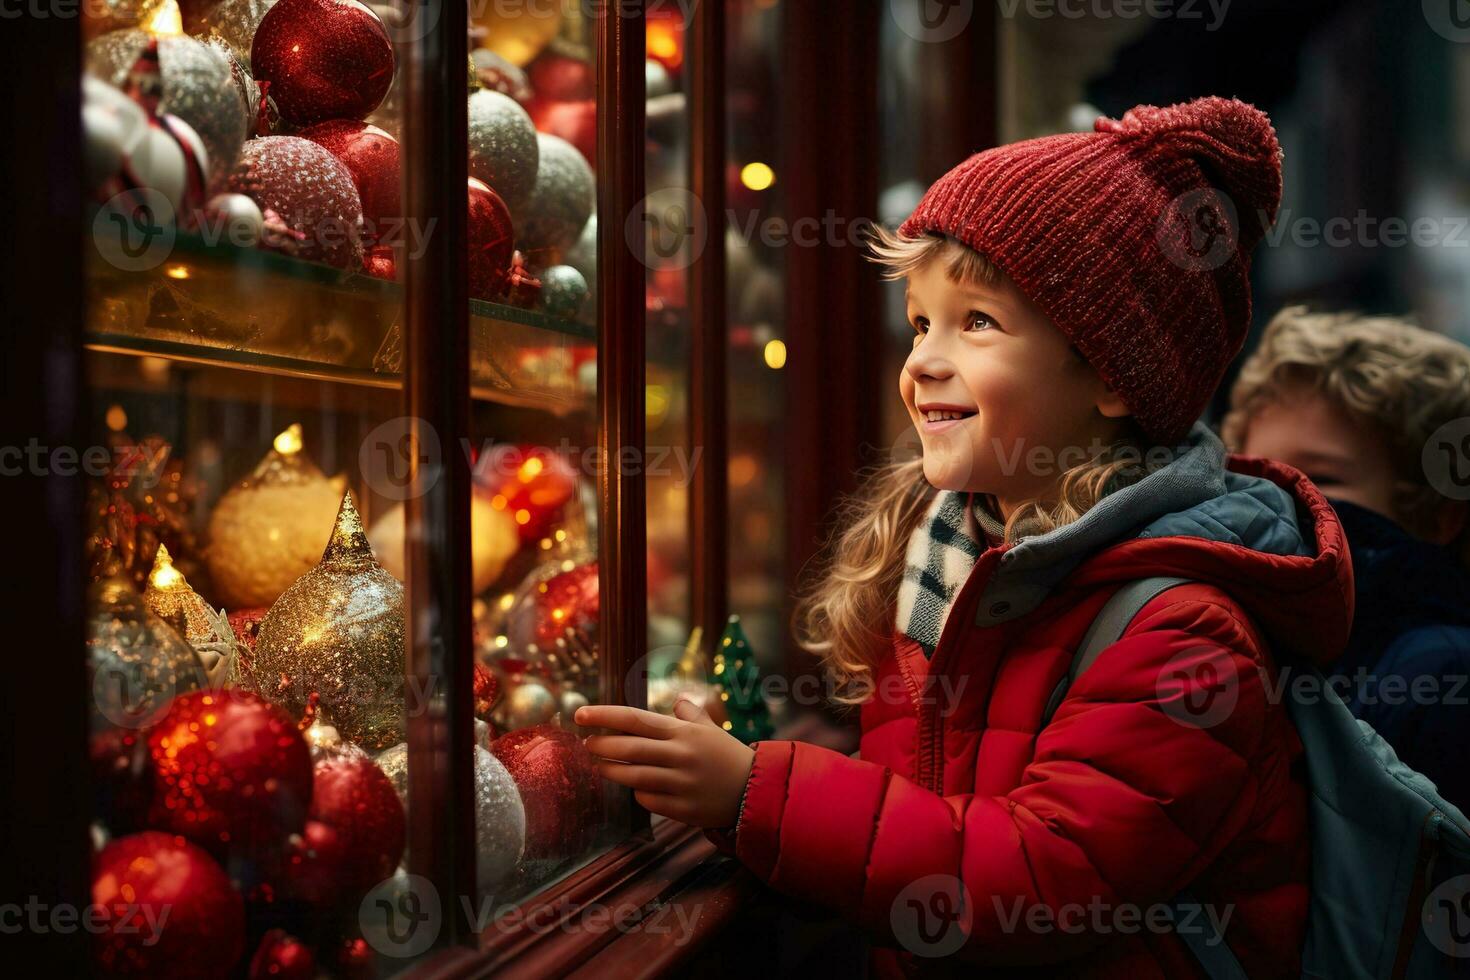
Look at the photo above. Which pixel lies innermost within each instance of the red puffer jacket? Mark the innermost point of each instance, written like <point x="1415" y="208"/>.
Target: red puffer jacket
<point x="1169" y="764"/>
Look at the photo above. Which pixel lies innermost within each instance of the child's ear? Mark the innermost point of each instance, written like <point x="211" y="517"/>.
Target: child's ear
<point x="1109" y="405"/>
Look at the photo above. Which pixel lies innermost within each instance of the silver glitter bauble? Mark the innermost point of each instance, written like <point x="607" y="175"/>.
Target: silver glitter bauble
<point x="504" y="152"/>
<point x="561" y="199"/>
<point x="136" y="662"/>
<point x="563" y="291"/>
<point x="500" y="817"/>
<point x="338" y="633"/>
<point x="232" y="21"/>
<point x="528" y="703"/>
<point x="198" y="86"/>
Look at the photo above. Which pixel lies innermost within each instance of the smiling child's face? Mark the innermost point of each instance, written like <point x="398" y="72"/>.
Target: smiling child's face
<point x="986" y="353"/>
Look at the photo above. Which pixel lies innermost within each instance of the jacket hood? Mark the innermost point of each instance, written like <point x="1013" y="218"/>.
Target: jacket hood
<point x="1255" y="528"/>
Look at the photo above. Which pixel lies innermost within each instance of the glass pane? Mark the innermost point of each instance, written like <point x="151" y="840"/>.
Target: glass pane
<point x="542" y="809"/>
<point x="245" y="616"/>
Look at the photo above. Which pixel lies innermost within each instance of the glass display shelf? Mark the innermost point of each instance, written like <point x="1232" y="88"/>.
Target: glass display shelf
<point x="252" y="310"/>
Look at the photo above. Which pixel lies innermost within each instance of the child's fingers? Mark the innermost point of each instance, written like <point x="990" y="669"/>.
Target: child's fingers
<point x="634" y="721"/>
<point x="632" y="748"/>
<point x="654" y="778"/>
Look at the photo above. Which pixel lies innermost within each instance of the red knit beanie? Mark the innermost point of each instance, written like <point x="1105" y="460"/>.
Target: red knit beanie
<point x="1135" y="241"/>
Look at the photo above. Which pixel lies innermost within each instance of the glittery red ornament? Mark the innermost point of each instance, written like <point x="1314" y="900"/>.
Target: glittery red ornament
<point x="491" y="241"/>
<point x="560" y="788"/>
<point x="574" y="121"/>
<point x="568" y="599"/>
<point x="310" y="192"/>
<point x="170" y="910"/>
<point x="487" y="690"/>
<point x="562" y="78"/>
<point x="314" y="858"/>
<point x="325" y="59"/>
<point x="531" y="483"/>
<point x="246" y="624"/>
<point x="230" y="772"/>
<point x="356" y="799"/>
<point x="282" y="956"/>
<point x="380" y="262"/>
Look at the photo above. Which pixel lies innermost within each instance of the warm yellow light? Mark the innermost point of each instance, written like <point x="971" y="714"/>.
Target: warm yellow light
<point x="163" y="576"/>
<point x="166" y="20"/>
<point x="177" y="272"/>
<point x="523" y="516"/>
<point x="289" y="442"/>
<point x="499" y="502"/>
<point x="656" y="400"/>
<point x="529" y="469"/>
<point x="757" y="176"/>
<point x="117" y="419"/>
<point x="775" y="354"/>
<point x="743" y="469"/>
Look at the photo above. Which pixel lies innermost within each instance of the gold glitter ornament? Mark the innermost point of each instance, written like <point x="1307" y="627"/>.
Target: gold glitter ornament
<point x="136" y="662"/>
<point x="326" y="743"/>
<point x="271" y="527"/>
<point x="208" y="631"/>
<point x="338" y="632"/>
<point x="500" y="816"/>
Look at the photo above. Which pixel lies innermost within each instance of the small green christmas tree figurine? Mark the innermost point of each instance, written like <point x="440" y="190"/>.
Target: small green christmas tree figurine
<point x="736" y="678"/>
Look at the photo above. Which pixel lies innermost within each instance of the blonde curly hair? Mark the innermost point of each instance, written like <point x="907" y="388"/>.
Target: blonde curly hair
<point x="844" y="614"/>
<point x="1400" y="379"/>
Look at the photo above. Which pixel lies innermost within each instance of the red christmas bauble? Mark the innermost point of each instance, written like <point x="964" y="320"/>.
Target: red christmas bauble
<point x="567" y="599"/>
<point x="575" y="122"/>
<point x="356" y="799"/>
<point x="380" y="262"/>
<point x="487" y="691"/>
<point x="307" y="191"/>
<point x="122" y="782"/>
<point x="315" y="857"/>
<point x="561" y="78"/>
<point x="491" y="241"/>
<point x="282" y="956"/>
<point x="170" y="910"/>
<point x="531" y="483"/>
<point x="324" y="59"/>
<point x="560" y="788"/>
<point x="372" y="157"/>
<point x="230" y="772"/>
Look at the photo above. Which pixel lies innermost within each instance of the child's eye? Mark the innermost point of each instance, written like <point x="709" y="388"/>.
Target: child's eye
<point x="921" y="324"/>
<point x="980" y="321"/>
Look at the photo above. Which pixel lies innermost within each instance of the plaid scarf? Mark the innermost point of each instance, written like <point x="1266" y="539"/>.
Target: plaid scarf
<point x="941" y="553"/>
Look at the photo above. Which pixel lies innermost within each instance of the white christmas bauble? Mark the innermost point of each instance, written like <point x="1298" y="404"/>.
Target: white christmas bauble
<point x="236" y="219"/>
<point x="500" y="817"/>
<point x="494" y="539"/>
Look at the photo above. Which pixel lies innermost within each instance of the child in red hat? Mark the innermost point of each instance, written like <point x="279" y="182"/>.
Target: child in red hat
<point x="1075" y="301"/>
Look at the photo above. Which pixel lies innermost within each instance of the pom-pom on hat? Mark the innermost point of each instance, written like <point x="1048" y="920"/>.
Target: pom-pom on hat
<point x="1134" y="239"/>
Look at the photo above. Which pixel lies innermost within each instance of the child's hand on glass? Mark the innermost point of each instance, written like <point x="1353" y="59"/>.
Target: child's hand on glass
<point x="686" y="767"/>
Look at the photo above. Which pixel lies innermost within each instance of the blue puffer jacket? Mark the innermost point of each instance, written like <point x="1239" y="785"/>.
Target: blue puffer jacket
<point x="1411" y="627"/>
